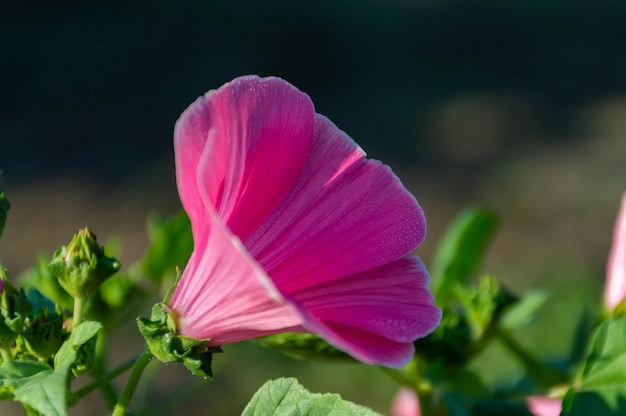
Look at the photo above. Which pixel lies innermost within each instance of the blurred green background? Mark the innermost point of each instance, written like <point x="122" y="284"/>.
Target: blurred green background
<point x="518" y="106"/>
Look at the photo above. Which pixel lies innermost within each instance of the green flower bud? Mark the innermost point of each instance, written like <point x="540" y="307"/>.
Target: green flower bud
<point x="45" y="334"/>
<point x="81" y="267"/>
<point x="7" y="336"/>
<point x="14" y="306"/>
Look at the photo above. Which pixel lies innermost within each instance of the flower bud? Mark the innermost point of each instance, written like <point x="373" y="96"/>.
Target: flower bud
<point x="45" y="334"/>
<point x="7" y="336"/>
<point x="81" y="267"/>
<point x="615" y="286"/>
<point x="14" y="306"/>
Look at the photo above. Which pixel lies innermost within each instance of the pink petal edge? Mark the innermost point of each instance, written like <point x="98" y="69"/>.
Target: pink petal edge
<point x="406" y="403"/>
<point x="354" y="212"/>
<point x="375" y="312"/>
<point x="242" y="136"/>
<point x="544" y="406"/>
<point x="615" y="287"/>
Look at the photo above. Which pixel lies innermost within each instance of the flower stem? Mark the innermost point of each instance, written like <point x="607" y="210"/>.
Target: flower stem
<point x="179" y="397"/>
<point x="397" y="376"/>
<point x="77" y="317"/>
<point x="131" y="384"/>
<point x="5" y="354"/>
<point x="104" y="379"/>
<point x="537" y="370"/>
<point x="100" y="369"/>
<point x="422" y="388"/>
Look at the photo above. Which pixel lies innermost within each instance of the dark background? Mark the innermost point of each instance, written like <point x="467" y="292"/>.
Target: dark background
<point x="95" y="87"/>
<point x="519" y="106"/>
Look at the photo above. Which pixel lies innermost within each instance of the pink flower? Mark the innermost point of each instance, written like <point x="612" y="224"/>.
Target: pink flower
<point x="615" y="287"/>
<point x="544" y="406"/>
<point x="406" y="403"/>
<point x="294" y="230"/>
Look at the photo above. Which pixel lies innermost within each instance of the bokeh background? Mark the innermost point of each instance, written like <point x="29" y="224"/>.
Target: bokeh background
<point x="516" y="106"/>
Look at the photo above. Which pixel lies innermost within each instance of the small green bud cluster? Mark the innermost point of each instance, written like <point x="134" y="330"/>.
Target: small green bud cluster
<point x="33" y="327"/>
<point x="28" y="329"/>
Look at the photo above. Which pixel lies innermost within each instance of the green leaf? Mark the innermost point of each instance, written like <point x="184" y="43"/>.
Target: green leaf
<point x="43" y="389"/>
<point x="583" y="332"/>
<point x="484" y="304"/>
<point x="14" y="373"/>
<point x="461" y="251"/>
<point x="45" y="392"/>
<point x="117" y="290"/>
<point x="80" y="334"/>
<point x="286" y="396"/>
<point x="523" y="312"/>
<point x="20" y="369"/>
<point x="172" y="244"/>
<point x="36" y="385"/>
<point x="39" y="301"/>
<point x="602" y="390"/>
<point x="304" y="346"/>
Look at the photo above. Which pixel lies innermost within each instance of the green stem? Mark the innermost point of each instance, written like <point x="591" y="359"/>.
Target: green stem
<point x="104" y="379"/>
<point x="131" y="384"/>
<point x="536" y="369"/>
<point x="100" y="370"/>
<point x="397" y="376"/>
<point x="424" y="396"/>
<point x="77" y="317"/>
<point x="422" y="388"/>
<point x="5" y="354"/>
<point x="174" y="401"/>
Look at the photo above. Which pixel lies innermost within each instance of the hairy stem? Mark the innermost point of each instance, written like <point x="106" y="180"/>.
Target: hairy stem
<point x="542" y="374"/>
<point x="77" y="317"/>
<point x="131" y="384"/>
<point x="104" y="379"/>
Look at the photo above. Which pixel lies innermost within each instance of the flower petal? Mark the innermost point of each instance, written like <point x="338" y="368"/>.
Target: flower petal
<point x="225" y="296"/>
<point x="406" y="403"/>
<point x="191" y="135"/>
<point x="544" y="406"/>
<point x="373" y="315"/>
<point x="244" y="147"/>
<point x="331" y="229"/>
<point x="345" y="214"/>
<point x="615" y="288"/>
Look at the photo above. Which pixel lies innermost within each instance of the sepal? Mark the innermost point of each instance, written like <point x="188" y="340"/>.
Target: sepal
<point x="163" y="342"/>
